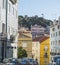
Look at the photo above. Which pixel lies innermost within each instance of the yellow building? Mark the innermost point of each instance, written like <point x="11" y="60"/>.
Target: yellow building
<point x="44" y="50"/>
<point x="25" y="41"/>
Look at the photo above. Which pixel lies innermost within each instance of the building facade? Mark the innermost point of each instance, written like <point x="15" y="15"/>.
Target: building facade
<point x="44" y="50"/>
<point x="55" y="38"/>
<point x="25" y="41"/>
<point x="36" y="50"/>
<point x="8" y="29"/>
<point x="37" y="31"/>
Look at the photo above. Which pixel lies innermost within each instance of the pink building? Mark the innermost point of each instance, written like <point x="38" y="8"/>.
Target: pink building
<point x="37" y="31"/>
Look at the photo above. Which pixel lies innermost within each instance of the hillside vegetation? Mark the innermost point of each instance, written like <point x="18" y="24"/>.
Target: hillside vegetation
<point x="26" y="21"/>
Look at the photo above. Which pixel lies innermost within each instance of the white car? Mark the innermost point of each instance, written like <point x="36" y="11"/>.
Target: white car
<point x="10" y="64"/>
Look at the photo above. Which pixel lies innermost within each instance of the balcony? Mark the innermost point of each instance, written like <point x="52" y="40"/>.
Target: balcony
<point x="12" y="38"/>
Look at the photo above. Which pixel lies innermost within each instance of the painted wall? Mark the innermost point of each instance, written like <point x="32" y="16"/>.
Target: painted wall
<point x="12" y="26"/>
<point x="45" y="44"/>
<point x="26" y="43"/>
<point x="36" y="50"/>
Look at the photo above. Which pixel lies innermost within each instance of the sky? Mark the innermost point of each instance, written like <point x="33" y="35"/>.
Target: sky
<point x="50" y="8"/>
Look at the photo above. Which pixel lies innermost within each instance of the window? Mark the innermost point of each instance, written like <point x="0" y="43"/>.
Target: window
<point x="59" y="32"/>
<point x="56" y="42"/>
<point x="51" y="35"/>
<point x="53" y="29"/>
<point x="3" y="28"/>
<point x="9" y="6"/>
<point x="58" y="27"/>
<point x="13" y="10"/>
<point x="24" y="44"/>
<point x="51" y="42"/>
<point x="55" y="50"/>
<point x="59" y="42"/>
<point x="3" y="3"/>
<point x="16" y="14"/>
<point x="56" y="33"/>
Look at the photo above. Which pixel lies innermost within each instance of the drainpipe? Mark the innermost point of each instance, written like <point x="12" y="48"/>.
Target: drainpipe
<point x="5" y="52"/>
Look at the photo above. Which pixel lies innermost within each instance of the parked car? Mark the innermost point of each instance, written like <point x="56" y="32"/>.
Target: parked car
<point x="58" y="62"/>
<point x="35" y="62"/>
<point x="31" y="61"/>
<point x="9" y="64"/>
<point x="24" y="61"/>
<point x="1" y="64"/>
<point x="11" y="61"/>
<point x="50" y="64"/>
<point x="6" y="60"/>
<point x="19" y="60"/>
<point x="55" y="58"/>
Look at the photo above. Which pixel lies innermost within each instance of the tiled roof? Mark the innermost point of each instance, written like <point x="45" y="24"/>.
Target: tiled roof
<point x="40" y="39"/>
<point x="43" y="38"/>
<point x="37" y="38"/>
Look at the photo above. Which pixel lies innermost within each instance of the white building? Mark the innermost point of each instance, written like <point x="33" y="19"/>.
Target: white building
<point x="8" y="28"/>
<point x="55" y="38"/>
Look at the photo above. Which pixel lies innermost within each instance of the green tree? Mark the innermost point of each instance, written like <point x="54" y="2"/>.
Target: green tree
<point x="28" y="21"/>
<point x="21" y="52"/>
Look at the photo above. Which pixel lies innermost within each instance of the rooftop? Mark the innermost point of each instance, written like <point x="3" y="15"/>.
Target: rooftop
<point x="41" y="39"/>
